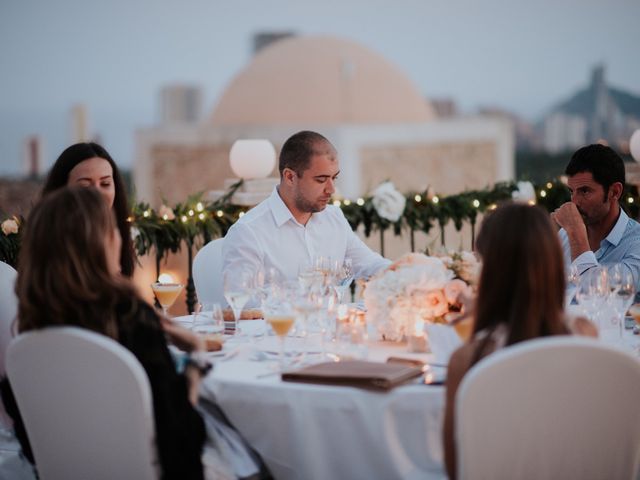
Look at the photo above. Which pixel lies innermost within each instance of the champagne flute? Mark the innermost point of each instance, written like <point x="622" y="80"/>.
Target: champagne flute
<point x="166" y="293"/>
<point x="237" y="292"/>
<point x="622" y="290"/>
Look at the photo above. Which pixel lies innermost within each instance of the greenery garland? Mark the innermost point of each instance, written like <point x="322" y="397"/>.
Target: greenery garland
<point x="196" y="221"/>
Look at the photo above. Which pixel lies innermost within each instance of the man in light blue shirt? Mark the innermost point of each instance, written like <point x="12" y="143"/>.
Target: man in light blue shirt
<point x="595" y="230"/>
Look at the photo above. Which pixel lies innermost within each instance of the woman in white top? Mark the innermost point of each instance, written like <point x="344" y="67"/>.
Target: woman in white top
<point x="520" y="296"/>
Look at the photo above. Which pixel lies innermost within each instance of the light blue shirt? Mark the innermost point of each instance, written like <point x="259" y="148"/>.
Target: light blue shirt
<point x="622" y="245"/>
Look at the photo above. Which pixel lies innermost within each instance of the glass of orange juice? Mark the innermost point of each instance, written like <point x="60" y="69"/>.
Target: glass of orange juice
<point x="166" y="293"/>
<point x="280" y="317"/>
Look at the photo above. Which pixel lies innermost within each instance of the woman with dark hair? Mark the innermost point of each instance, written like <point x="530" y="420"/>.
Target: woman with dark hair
<point x="520" y="296"/>
<point x="68" y="275"/>
<point x="89" y="164"/>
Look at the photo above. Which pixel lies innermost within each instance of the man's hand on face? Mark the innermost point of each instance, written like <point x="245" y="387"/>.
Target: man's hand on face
<point x="569" y="218"/>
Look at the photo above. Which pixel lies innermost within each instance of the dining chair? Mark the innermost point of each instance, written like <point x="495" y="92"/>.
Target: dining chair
<point x="86" y="404"/>
<point x="207" y="273"/>
<point x="8" y="311"/>
<point x="557" y="407"/>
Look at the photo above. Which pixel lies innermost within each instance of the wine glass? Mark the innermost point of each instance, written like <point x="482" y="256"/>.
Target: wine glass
<point x="573" y="278"/>
<point x="237" y="292"/>
<point x="279" y="315"/>
<point x="344" y="277"/>
<point x="622" y="289"/>
<point x="166" y="293"/>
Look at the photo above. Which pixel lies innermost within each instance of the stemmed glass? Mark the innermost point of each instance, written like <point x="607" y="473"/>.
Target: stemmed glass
<point x="622" y="290"/>
<point x="593" y="290"/>
<point x="279" y="314"/>
<point x="343" y="278"/>
<point x="166" y="293"/>
<point x="573" y="279"/>
<point x="237" y="292"/>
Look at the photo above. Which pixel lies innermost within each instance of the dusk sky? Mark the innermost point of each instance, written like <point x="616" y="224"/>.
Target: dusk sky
<point x="114" y="56"/>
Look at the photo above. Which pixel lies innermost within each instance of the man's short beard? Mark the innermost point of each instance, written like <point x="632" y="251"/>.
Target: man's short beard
<point x="304" y="205"/>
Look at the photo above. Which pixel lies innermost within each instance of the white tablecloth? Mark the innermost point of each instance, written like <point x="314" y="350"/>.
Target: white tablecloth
<point x="305" y="431"/>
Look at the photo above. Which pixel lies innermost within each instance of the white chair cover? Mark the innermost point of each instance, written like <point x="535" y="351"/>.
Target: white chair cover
<point x="207" y="273"/>
<point x="86" y="404"/>
<point x="8" y="311"/>
<point x="561" y="407"/>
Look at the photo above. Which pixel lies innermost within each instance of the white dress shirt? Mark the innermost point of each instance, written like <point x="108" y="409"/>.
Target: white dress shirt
<point x="621" y="245"/>
<point x="269" y="236"/>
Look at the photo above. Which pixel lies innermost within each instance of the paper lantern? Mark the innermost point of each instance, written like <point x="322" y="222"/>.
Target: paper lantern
<point x="634" y="145"/>
<point x="251" y="159"/>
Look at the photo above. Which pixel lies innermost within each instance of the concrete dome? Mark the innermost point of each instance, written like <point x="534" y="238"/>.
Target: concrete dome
<point x="320" y="80"/>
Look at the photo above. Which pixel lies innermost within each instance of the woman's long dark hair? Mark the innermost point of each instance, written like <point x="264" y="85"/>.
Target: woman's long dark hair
<point x="59" y="177"/>
<point x="522" y="283"/>
<point x="63" y="275"/>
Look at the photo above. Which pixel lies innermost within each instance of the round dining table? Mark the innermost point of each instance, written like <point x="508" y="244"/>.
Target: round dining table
<point x="312" y="431"/>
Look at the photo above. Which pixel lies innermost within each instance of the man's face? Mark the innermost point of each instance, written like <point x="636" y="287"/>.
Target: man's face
<point x="589" y="197"/>
<point x="313" y="189"/>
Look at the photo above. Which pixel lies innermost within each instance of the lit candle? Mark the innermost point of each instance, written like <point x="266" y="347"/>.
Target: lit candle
<point x="418" y="339"/>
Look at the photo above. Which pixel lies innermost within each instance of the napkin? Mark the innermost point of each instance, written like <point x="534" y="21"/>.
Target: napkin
<point x="355" y="373"/>
<point x="443" y="341"/>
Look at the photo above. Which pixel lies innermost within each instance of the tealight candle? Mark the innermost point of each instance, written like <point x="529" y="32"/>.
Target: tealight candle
<point x="418" y="339"/>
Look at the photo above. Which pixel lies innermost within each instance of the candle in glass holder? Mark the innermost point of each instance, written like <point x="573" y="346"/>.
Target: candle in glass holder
<point x="417" y="340"/>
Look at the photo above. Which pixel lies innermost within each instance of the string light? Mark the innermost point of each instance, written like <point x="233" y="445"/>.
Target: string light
<point x="184" y="219"/>
<point x="337" y="203"/>
<point x="191" y="212"/>
<point x="630" y="200"/>
<point x="129" y="219"/>
<point x="360" y="201"/>
<point x="418" y="198"/>
<point x="165" y="217"/>
<point x="549" y="185"/>
<point x="543" y="193"/>
<point x="199" y="207"/>
<point x="531" y="202"/>
<point x="347" y="202"/>
<point x="435" y="199"/>
<point x="493" y="206"/>
<point x="219" y="213"/>
<point x="476" y="203"/>
<point x="241" y="214"/>
<point x="201" y="216"/>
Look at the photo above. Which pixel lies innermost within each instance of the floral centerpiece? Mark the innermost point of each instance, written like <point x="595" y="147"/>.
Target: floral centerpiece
<point x="418" y="287"/>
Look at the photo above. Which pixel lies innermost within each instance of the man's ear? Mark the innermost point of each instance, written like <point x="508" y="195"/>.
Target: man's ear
<point x="288" y="175"/>
<point x="615" y="190"/>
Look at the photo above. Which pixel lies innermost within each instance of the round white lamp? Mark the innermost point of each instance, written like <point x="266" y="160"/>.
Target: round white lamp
<point x="253" y="158"/>
<point x="634" y="145"/>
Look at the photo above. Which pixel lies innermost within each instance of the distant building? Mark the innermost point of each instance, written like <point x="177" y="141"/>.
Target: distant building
<point x="444" y="107"/>
<point x="527" y="136"/>
<point x="264" y="39"/>
<point x="381" y="124"/>
<point x="180" y="104"/>
<point x="596" y="113"/>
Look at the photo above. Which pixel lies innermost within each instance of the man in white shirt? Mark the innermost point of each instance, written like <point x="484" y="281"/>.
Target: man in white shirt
<point x="296" y="223"/>
<point x="595" y="229"/>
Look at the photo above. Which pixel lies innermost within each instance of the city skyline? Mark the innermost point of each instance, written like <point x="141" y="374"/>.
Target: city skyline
<point x="115" y="58"/>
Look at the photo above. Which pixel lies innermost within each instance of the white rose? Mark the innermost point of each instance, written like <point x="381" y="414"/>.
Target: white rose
<point x="9" y="226"/>
<point x="388" y="202"/>
<point x="524" y="193"/>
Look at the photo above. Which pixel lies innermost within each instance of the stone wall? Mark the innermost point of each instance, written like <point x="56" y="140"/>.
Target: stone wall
<point x="181" y="170"/>
<point x="448" y="168"/>
<point x="17" y="196"/>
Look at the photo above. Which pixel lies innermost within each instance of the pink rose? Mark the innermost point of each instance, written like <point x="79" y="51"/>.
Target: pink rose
<point x="453" y="289"/>
<point x="435" y="303"/>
